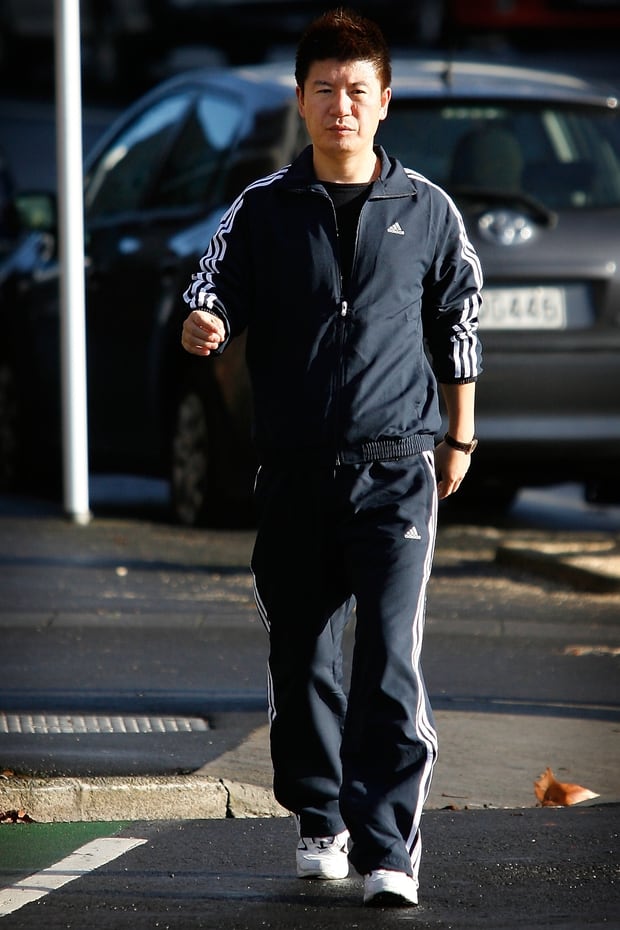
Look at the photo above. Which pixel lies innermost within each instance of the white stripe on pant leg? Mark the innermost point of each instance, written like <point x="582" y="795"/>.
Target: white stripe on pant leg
<point x="262" y="612"/>
<point x="79" y="863"/>
<point x="426" y="724"/>
<point x="423" y="722"/>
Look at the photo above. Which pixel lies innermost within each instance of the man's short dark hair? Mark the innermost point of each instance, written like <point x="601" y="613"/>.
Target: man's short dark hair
<point x="346" y="36"/>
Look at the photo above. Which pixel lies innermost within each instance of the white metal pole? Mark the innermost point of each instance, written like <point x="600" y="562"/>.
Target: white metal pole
<point x="71" y="247"/>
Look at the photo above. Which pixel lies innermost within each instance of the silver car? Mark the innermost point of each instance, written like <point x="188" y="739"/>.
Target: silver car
<point x="532" y="159"/>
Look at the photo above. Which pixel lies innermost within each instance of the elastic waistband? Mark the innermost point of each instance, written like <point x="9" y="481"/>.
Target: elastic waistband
<point x="379" y="450"/>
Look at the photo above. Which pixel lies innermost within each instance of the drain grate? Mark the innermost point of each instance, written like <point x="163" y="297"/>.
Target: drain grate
<point x="38" y="724"/>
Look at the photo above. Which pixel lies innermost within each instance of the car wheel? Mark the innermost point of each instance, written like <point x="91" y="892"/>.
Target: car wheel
<point x="9" y="428"/>
<point x="190" y="459"/>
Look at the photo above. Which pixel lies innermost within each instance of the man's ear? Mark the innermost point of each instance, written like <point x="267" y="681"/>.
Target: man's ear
<point x="300" y="100"/>
<point x="386" y="96"/>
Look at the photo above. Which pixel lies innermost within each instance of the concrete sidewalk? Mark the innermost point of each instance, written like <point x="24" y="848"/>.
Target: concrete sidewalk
<point x="487" y="761"/>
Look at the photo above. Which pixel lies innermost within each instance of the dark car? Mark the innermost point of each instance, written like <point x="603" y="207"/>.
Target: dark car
<point x="114" y="33"/>
<point x="118" y="33"/>
<point x="248" y="30"/>
<point x="533" y="160"/>
<point x="155" y="188"/>
<point x="526" y="17"/>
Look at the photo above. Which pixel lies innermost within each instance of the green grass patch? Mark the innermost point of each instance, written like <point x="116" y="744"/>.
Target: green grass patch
<point x="30" y="847"/>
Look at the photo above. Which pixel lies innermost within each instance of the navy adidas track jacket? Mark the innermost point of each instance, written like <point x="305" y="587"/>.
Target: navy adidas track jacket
<point x="344" y="377"/>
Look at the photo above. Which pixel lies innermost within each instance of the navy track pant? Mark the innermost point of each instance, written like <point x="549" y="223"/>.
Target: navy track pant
<point x="329" y="539"/>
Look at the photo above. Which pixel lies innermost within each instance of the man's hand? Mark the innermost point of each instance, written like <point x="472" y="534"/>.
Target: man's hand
<point x="203" y="333"/>
<point x="451" y="467"/>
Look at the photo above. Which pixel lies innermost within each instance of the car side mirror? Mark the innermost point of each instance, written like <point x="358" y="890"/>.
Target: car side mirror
<point x="37" y="211"/>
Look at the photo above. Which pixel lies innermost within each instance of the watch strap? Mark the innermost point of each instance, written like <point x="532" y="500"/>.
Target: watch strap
<point x="466" y="447"/>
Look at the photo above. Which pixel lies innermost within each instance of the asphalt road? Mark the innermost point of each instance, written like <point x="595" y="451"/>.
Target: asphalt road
<point x="133" y="616"/>
<point x="484" y="870"/>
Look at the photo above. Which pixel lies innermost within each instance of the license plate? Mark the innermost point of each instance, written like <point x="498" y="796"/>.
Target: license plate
<point x="523" y="308"/>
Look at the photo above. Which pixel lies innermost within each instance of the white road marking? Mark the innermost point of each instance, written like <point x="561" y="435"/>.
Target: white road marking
<point x="92" y="723"/>
<point x="79" y="863"/>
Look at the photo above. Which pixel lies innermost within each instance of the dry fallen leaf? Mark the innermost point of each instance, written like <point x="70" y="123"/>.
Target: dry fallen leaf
<point x="15" y="817"/>
<point x="553" y="793"/>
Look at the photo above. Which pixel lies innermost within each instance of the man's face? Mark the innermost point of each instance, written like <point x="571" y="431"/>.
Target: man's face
<point x="342" y="104"/>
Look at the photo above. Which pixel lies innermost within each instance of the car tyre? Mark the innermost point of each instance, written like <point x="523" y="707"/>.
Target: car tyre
<point x="191" y="459"/>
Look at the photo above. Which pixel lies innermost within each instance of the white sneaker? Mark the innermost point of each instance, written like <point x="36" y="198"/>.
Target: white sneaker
<point x="323" y="856"/>
<point x="384" y="888"/>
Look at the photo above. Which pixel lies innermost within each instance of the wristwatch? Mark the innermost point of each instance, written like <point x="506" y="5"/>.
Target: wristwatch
<point x="466" y="447"/>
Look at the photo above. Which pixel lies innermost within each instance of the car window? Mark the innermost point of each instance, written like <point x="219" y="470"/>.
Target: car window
<point x="120" y="178"/>
<point x="199" y="153"/>
<point x="566" y="157"/>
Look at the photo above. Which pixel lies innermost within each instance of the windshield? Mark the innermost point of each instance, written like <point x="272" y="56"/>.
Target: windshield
<point x="564" y="157"/>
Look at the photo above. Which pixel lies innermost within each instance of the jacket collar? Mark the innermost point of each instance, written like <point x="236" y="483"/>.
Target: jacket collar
<point x="392" y="180"/>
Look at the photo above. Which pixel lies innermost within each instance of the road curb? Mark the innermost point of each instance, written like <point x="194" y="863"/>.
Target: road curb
<point x="178" y="797"/>
<point x="597" y="572"/>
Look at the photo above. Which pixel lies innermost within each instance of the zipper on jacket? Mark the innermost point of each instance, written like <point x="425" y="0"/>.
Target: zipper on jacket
<point x="343" y="309"/>
<point x="357" y="237"/>
<point x="339" y="373"/>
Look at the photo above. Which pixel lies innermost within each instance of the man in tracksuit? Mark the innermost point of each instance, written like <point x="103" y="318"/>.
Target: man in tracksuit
<point x="345" y="267"/>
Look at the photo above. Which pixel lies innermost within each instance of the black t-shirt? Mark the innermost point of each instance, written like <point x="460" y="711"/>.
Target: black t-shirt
<point x="348" y="200"/>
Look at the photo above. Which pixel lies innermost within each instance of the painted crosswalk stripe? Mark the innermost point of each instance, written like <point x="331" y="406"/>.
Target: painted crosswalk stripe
<point x="79" y="863"/>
